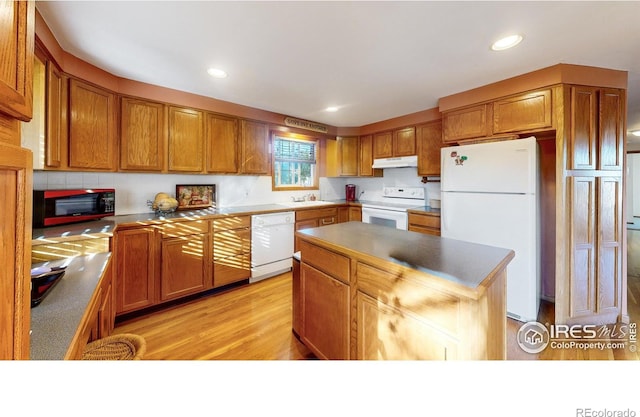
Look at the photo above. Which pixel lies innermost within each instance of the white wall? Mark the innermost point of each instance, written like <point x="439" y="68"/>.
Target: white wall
<point x="371" y="188"/>
<point x="133" y="189"/>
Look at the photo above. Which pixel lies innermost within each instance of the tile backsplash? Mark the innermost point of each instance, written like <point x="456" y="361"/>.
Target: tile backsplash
<point x="134" y="189"/>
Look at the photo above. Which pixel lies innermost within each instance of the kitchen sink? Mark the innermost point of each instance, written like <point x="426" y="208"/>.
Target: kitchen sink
<point x="305" y="203"/>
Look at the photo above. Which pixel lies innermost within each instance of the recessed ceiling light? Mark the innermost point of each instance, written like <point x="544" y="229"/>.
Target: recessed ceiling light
<point x="636" y="133"/>
<point x="506" y="43"/>
<point x="331" y="109"/>
<point x="217" y="73"/>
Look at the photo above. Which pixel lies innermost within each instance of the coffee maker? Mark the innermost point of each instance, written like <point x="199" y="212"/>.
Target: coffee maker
<point x="350" y="192"/>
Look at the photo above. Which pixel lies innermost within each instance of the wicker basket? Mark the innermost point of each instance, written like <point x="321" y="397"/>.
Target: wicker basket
<point x="117" y="347"/>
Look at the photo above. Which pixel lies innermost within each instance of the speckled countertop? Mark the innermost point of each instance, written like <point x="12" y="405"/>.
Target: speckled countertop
<point x="106" y="226"/>
<point x="55" y="320"/>
<point x="464" y="263"/>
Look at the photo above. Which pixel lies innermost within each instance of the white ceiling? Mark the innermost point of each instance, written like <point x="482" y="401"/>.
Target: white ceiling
<point x="374" y="60"/>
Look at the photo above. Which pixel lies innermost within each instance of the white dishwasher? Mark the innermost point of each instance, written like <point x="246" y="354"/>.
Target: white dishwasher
<point x="271" y="244"/>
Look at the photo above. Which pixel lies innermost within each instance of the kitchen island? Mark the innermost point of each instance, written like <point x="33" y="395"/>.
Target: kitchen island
<point x="372" y="292"/>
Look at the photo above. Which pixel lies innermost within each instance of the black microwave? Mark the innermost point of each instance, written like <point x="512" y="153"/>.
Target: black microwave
<point x="56" y="207"/>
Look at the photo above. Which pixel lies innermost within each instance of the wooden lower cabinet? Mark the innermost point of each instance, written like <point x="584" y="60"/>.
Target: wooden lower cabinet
<point x="358" y="307"/>
<point x="231" y="250"/>
<point x="99" y="317"/>
<point x="136" y="255"/>
<point x="186" y="266"/>
<point x="424" y="223"/>
<point x="389" y="333"/>
<point x="596" y="279"/>
<point x="306" y="219"/>
<point x="325" y="310"/>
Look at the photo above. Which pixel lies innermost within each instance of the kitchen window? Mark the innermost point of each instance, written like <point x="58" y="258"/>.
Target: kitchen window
<point x="294" y="162"/>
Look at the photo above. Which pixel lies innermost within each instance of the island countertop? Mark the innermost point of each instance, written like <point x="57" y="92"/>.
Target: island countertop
<point x="464" y="264"/>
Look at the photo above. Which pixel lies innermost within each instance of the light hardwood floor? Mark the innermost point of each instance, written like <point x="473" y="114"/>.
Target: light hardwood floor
<point x="253" y="322"/>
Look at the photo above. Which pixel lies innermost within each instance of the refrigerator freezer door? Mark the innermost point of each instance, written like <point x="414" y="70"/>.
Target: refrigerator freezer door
<point x="504" y="167"/>
<point x="506" y="221"/>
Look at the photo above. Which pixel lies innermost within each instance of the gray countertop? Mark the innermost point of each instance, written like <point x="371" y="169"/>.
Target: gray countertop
<point x="55" y="320"/>
<point x="464" y="263"/>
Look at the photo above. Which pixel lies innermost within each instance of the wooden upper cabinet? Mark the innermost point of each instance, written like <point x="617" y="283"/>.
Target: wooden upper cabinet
<point x="56" y="116"/>
<point x="383" y="145"/>
<point x="254" y="148"/>
<point x="428" y="144"/>
<point x="366" y="158"/>
<point x="404" y="141"/>
<point x="221" y="136"/>
<point x="186" y="140"/>
<point x="529" y="111"/>
<point x="468" y="123"/>
<point x="17" y="28"/>
<point x="142" y="135"/>
<point x="348" y="155"/>
<point x="92" y="127"/>
<point x="596" y="135"/>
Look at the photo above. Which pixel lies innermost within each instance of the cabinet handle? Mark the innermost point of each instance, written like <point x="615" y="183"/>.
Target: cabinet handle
<point x="324" y="221"/>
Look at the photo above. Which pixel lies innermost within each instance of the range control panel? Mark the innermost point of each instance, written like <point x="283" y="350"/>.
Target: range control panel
<point x="416" y="193"/>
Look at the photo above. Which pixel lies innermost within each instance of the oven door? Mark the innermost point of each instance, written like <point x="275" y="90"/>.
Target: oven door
<point x="389" y="218"/>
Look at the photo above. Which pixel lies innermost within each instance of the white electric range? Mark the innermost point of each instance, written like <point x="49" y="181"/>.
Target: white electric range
<point x="391" y="211"/>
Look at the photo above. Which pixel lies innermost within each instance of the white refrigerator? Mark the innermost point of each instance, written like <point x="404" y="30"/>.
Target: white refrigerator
<point x="490" y="196"/>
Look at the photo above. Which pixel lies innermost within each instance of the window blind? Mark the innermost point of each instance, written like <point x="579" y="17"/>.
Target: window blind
<point x="294" y="151"/>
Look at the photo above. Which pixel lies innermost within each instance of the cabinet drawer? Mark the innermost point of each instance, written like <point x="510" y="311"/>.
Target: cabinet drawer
<point x="235" y="222"/>
<point x="317" y="214"/>
<point x="178" y="229"/>
<point x="231" y="243"/>
<point x="402" y="291"/>
<point x="424" y="220"/>
<point x="330" y="262"/>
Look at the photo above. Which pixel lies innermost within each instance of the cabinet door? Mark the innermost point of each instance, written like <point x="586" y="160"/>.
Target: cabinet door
<point x="468" y="123"/>
<point x="609" y="247"/>
<point x="388" y="333"/>
<point x="142" y="135"/>
<point x="106" y="311"/>
<point x="583" y="249"/>
<point x="343" y="214"/>
<point x="404" y="142"/>
<point x="16" y="53"/>
<point x="325" y="314"/>
<point x="56" y="116"/>
<point x="583" y="133"/>
<point x="15" y="236"/>
<point x="428" y="144"/>
<point x="186" y="140"/>
<point x="136" y="255"/>
<point x="355" y="214"/>
<point x="348" y="154"/>
<point x="185" y="266"/>
<point x="383" y="145"/>
<point x="92" y="128"/>
<point x="366" y="158"/>
<point x="522" y="112"/>
<point x="221" y="135"/>
<point x="254" y="152"/>
<point x="611" y="129"/>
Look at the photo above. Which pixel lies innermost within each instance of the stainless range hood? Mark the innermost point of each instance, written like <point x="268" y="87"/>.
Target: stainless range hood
<point x="399" y="162"/>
